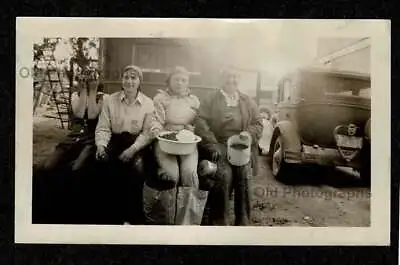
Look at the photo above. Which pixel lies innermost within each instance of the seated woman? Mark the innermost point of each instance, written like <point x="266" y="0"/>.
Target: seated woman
<point x="52" y="179"/>
<point x="122" y="134"/>
<point x="86" y="104"/>
<point x="225" y="113"/>
<point x="175" y="110"/>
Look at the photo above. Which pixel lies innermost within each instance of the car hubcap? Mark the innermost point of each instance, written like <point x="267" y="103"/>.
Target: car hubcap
<point x="277" y="157"/>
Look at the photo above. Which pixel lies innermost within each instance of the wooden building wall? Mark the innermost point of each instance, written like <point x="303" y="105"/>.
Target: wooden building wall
<point x="203" y="58"/>
<point x="345" y="54"/>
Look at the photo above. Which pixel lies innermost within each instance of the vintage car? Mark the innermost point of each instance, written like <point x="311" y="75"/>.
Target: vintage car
<point x="323" y="117"/>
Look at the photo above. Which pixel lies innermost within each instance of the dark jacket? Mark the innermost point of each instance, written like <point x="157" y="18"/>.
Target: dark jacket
<point x="208" y="122"/>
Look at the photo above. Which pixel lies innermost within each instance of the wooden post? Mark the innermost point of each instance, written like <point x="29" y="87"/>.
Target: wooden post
<point x="102" y="49"/>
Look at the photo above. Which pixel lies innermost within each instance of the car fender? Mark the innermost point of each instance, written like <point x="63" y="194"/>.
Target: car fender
<point x="290" y="136"/>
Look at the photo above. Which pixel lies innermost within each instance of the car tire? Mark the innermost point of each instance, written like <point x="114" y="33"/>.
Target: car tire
<point x="279" y="168"/>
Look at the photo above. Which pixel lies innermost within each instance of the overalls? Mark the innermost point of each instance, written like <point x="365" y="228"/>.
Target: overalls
<point x="231" y="179"/>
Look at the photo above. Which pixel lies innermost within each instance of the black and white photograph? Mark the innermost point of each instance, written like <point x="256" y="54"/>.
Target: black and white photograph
<point x="197" y="131"/>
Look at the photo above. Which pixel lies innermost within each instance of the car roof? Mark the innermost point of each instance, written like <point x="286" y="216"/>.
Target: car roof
<point x="336" y="72"/>
<point x="331" y="72"/>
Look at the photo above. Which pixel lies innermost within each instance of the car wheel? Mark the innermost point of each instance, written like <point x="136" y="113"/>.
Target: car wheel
<point x="280" y="169"/>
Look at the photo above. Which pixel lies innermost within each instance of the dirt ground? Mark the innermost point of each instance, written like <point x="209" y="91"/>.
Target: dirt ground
<point x="46" y="134"/>
<point x="313" y="197"/>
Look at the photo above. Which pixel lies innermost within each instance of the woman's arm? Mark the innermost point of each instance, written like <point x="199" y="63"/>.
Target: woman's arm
<point x="157" y="119"/>
<point x="202" y="126"/>
<point x="78" y="103"/>
<point x="195" y="105"/>
<point x="255" y="127"/>
<point x="145" y="137"/>
<point x="103" y="128"/>
<point x="94" y="108"/>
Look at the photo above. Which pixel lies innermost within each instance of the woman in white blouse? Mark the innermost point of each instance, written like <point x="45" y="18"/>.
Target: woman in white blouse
<point x="122" y="135"/>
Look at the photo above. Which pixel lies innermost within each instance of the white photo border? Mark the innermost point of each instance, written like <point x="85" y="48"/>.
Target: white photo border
<point x="29" y="29"/>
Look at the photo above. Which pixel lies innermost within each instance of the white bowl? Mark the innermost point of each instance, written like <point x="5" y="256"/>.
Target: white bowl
<point x="177" y="148"/>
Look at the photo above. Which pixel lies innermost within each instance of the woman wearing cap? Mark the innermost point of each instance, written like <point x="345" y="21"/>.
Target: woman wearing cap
<point x="225" y="113"/>
<point x="121" y="137"/>
<point x="175" y="110"/>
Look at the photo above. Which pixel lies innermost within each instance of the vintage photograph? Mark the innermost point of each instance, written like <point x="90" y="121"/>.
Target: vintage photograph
<point x="249" y="129"/>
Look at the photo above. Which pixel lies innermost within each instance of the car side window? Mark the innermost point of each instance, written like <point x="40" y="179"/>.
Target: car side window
<point x="284" y="90"/>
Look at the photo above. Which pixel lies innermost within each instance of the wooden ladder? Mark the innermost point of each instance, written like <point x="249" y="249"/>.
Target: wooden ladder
<point x="59" y="93"/>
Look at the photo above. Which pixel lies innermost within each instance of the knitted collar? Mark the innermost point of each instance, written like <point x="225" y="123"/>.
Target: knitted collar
<point x="231" y="100"/>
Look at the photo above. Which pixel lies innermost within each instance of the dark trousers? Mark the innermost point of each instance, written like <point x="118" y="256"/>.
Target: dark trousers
<point x="67" y="151"/>
<point x="54" y="184"/>
<point x="49" y="200"/>
<point x="121" y="184"/>
<point x="230" y="180"/>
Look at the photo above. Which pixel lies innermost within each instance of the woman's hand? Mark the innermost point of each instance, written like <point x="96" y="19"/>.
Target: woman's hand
<point x="92" y="86"/>
<point x="174" y="127"/>
<point x="215" y="153"/>
<point x="82" y="86"/>
<point x="92" y="81"/>
<point x="127" y="154"/>
<point x="189" y="127"/>
<point x="245" y="136"/>
<point x="101" y="153"/>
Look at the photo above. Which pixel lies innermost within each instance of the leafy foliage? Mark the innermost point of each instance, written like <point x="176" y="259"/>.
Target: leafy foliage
<point x="39" y="49"/>
<point x="78" y="64"/>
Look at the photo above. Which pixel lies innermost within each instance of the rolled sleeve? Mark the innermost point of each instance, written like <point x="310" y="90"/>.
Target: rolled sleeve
<point x="202" y="124"/>
<point x="256" y="124"/>
<point x="158" y="116"/>
<point x="78" y="104"/>
<point x="195" y="103"/>
<point x="74" y="102"/>
<point x="103" y="128"/>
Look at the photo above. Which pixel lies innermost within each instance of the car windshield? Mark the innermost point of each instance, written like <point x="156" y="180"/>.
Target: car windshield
<point x="330" y="84"/>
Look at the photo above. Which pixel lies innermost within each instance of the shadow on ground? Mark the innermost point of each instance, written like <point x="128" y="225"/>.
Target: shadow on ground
<point x="318" y="175"/>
